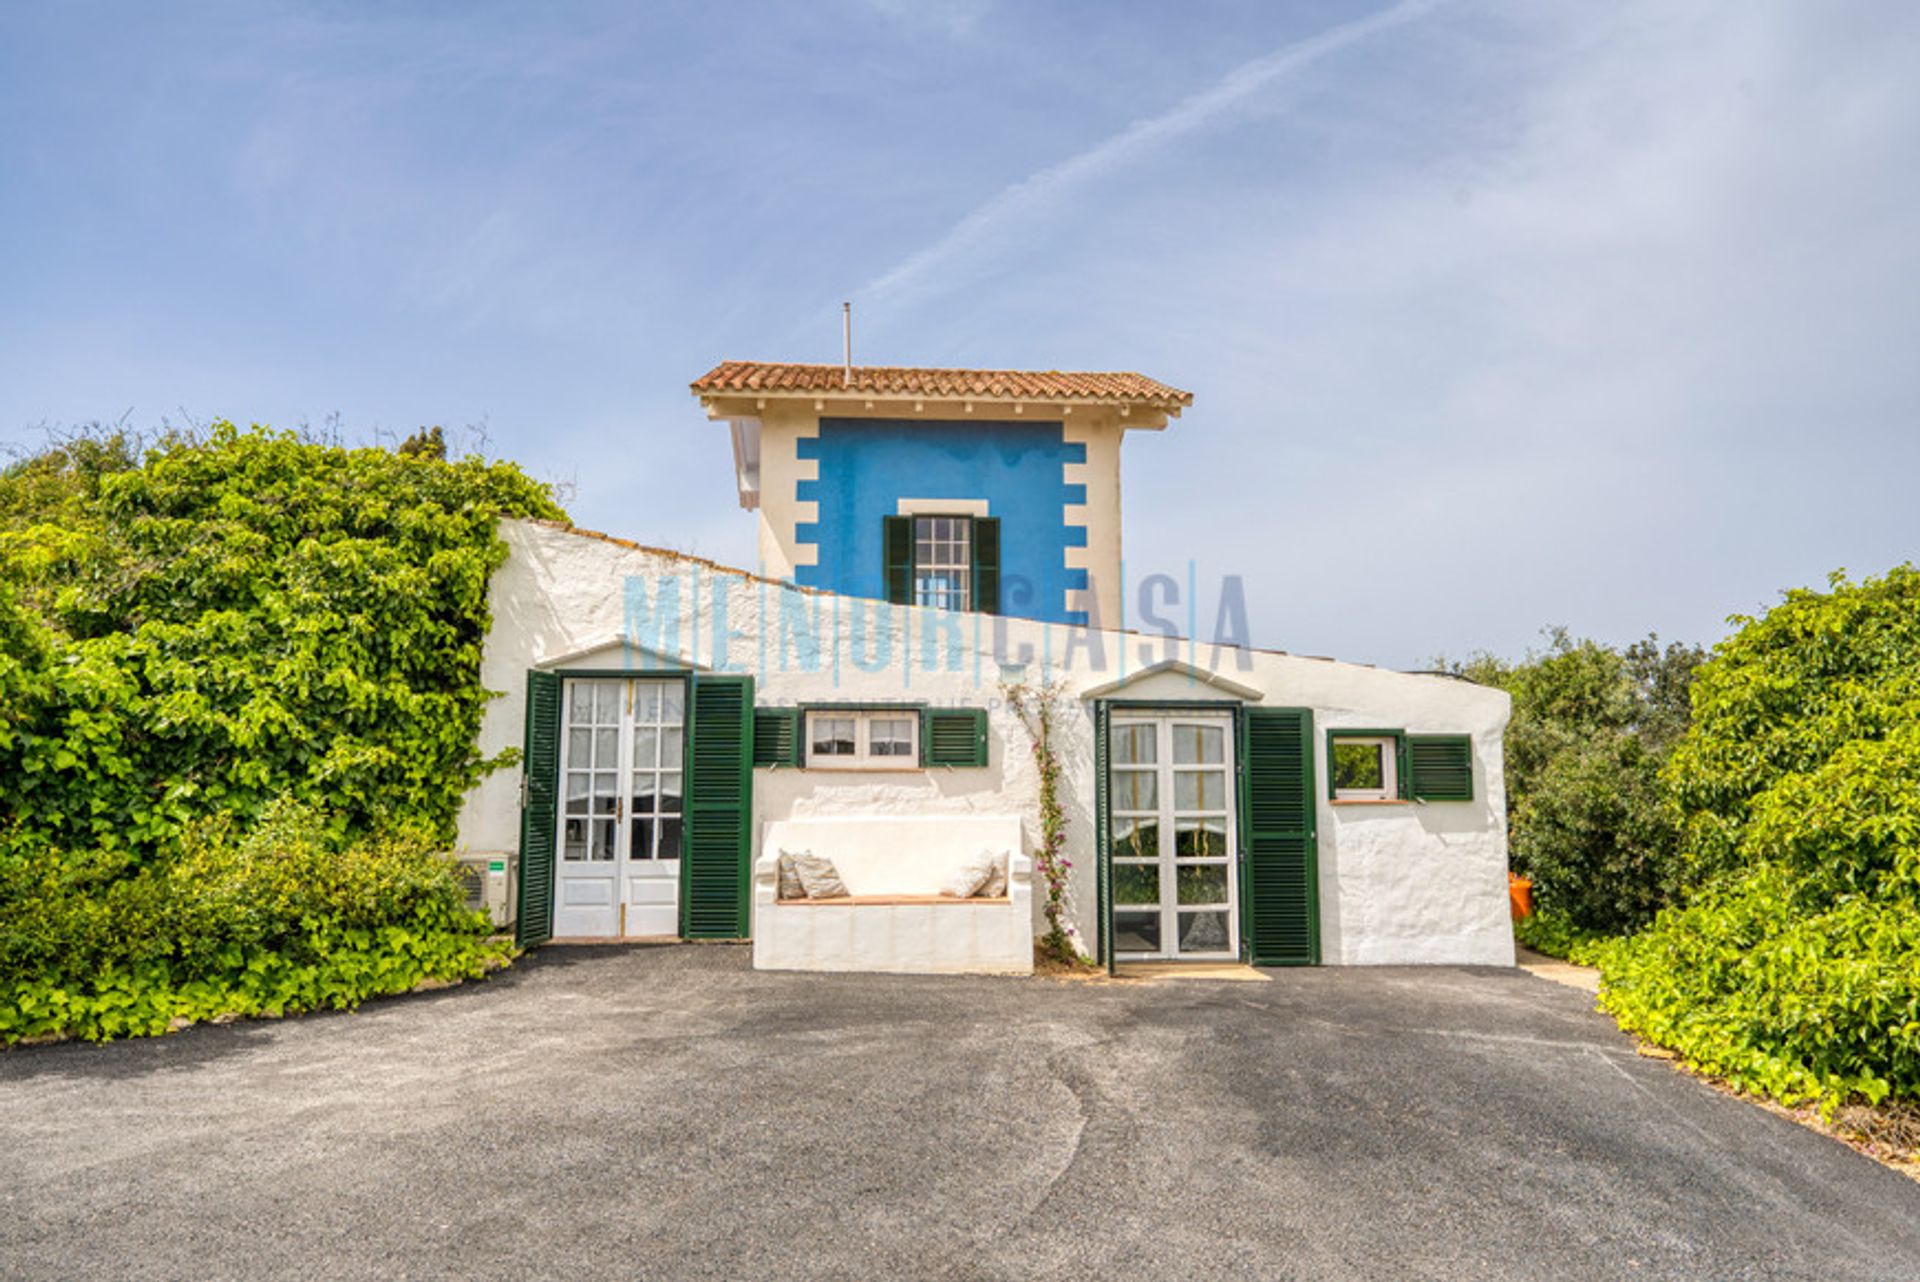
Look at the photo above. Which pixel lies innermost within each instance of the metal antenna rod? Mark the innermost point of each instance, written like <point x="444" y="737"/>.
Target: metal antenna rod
<point x="846" y="344"/>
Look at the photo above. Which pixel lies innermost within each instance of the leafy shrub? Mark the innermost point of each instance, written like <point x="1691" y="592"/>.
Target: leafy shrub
<point x="1749" y="984"/>
<point x="282" y="917"/>
<point x="239" y="701"/>
<point x="246" y="616"/>
<point x="1555" y="935"/>
<point x="1587" y="816"/>
<point x="1794" y="969"/>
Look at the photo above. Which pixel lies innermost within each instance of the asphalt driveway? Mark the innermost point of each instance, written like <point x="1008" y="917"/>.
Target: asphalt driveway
<point x="669" y="1113"/>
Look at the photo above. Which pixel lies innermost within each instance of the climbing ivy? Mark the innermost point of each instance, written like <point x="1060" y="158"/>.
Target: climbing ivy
<point x="239" y="702"/>
<point x="227" y="619"/>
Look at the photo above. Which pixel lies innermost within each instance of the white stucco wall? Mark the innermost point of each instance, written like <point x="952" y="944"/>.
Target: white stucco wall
<point x="1416" y="883"/>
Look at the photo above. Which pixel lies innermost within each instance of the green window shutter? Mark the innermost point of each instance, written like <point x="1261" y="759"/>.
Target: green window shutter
<point x="986" y="564"/>
<point x="1441" y="767"/>
<point x="897" y="538"/>
<point x="1282" y="861"/>
<point x="1102" y="839"/>
<point x="953" y="737"/>
<point x="714" y="873"/>
<point x="539" y="813"/>
<point x="776" y="736"/>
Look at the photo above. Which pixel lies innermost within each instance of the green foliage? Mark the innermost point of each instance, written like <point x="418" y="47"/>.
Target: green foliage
<point x="239" y="618"/>
<point x="281" y="917"/>
<point x="1803" y="747"/>
<point x="1751" y="984"/>
<point x="428" y="442"/>
<point x="1555" y="935"/>
<point x="1794" y="968"/>
<point x="1588" y="820"/>
<point x="239" y="698"/>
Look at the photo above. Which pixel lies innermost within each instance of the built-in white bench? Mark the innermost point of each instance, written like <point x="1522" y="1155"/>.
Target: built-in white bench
<point x="894" y="917"/>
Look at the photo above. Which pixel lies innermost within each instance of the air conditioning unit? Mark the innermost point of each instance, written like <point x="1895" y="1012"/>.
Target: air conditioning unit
<point x="487" y="878"/>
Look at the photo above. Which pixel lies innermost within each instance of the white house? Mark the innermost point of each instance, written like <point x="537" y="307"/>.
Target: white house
<point x="938" y="535"/>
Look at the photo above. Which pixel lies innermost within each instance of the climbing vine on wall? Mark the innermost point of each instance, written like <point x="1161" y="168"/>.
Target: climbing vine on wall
<point x="1038" y="707"/>
<point x="239" y="700"/>
<point x="222" y="620"/>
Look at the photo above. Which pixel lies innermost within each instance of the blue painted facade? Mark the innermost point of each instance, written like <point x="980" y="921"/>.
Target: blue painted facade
<point x="1018" y="468"/>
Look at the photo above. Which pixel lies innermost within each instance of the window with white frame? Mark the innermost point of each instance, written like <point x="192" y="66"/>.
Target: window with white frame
<point x="864" y="739"/>
<point x="943" y="562"/>
<point x="1364" y="767"/>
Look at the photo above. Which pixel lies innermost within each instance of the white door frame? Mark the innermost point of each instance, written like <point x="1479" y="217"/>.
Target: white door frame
<point x="623" y="891"/>
<point x="1167" y="815"/>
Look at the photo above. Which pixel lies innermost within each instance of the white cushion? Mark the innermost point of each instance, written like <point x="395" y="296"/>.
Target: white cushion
<point x="817" y="874"/>
<point x="790" y="884"/>
<point x="894" y="854"/>
<point x="995" y="886"/>
<point x="965" y="882"/>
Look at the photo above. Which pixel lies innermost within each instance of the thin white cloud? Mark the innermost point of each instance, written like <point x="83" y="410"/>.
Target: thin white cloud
<point x="1033" y="193"/>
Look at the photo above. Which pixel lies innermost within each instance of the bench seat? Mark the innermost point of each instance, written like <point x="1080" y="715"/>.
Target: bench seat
<point x="894" y="920"/>
<point x="858" y="900"/>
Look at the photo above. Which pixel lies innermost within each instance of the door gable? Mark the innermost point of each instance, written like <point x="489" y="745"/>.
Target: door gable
<point x="615" y="656"/>
<point x="1174" y="681"/>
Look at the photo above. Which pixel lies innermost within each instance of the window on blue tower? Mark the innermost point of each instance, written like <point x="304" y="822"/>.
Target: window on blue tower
<point x="943" y="562"/>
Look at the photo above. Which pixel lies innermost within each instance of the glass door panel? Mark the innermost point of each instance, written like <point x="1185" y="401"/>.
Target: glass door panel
<point x="1172" y="774"/>
<point x="587" y="874"/>
<point x="620" y="820"/>
<point x="653" y="808"/>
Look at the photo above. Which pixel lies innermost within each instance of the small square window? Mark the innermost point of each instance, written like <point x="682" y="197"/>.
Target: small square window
<point x="890" y="737"/>
<point x="833" y="737"/>
<point x="1364" y="767"/>
<point x="881" y="739"/>
<point x="943" y="562"/>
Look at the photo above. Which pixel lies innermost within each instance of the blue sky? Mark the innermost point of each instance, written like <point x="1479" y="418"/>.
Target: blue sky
<point x="1497" y="314"/>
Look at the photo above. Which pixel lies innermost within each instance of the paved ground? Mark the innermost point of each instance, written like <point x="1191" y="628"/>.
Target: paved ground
<point x="1560" y="972"/>
<point x="666" y="1113"/>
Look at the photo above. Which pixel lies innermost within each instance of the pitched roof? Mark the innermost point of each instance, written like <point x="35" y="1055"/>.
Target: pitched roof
<point x="775" y="378"/>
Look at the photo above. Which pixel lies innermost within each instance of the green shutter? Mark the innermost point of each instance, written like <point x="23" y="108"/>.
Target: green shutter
<point x="953" y="737"/>
<point x="1102" y="840"/>
<point x="714" y="873"/>
<point x="986" y="564"/>
<point x="776" y="736"/>
<point x="897" y="540"/>
<point x="1282" y="912"/>
<point x="1441" y="767"/>
<point x="539" y="817"/>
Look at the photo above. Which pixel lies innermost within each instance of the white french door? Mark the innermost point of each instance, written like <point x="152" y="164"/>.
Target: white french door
<point x="1171" y="807"/>
<point x="621" y="753"/>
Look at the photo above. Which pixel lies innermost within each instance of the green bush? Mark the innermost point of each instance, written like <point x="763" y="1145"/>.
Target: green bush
<point x="1587" y="817"/>
<point x="1750" y="984"/>
<point x="1794" y="967"/>
<point x="282" y="917"/>
<point x="231" y="619"/>
<point x="1555" y="935"/>
<point x="239" y="701"/>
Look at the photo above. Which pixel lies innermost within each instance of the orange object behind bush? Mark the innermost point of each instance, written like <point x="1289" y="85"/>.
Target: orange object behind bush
<point x="1520" y="896"/>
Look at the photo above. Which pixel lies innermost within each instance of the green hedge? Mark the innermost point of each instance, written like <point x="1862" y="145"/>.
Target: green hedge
<point x="1750" y="984"/>
<point x="1556" y="935"/>
<point x="282" y="917"/>
<point x="1588" y="820"/>
<point x="239" y="705"/>
<point x="227" y="620"/>
<point x="1793" y="965"/>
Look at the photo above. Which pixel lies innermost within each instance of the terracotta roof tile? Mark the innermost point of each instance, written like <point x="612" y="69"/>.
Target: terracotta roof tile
<point x="778" y="378"/>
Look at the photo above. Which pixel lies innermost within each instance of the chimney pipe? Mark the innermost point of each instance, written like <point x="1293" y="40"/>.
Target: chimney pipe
<point x="846" y="344"/>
